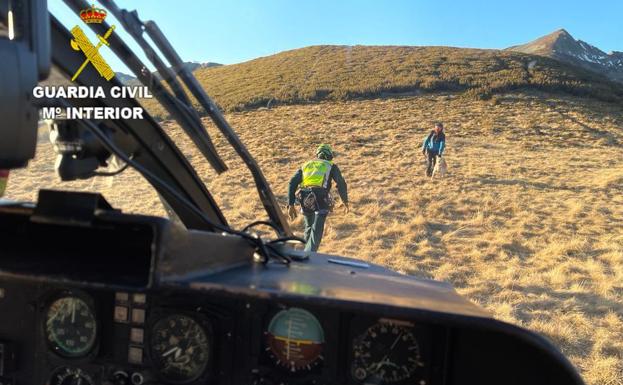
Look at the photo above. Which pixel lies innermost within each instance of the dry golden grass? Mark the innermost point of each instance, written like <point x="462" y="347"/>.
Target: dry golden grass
<point x="528" y="223"/>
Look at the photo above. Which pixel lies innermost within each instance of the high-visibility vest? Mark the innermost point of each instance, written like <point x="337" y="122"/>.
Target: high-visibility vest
<point x="316" y="173"/>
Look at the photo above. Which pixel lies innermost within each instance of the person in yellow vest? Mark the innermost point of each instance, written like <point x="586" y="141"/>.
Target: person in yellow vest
<point x="314" y="179"/>
<point x="4" y="177"/>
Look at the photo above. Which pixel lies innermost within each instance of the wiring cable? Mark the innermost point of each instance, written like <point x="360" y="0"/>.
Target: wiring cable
<point x="266" y="250"/>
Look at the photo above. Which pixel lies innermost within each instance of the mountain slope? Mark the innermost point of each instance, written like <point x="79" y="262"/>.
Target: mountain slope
<point x="350" y="72"/>
<point x="562" y="46"/>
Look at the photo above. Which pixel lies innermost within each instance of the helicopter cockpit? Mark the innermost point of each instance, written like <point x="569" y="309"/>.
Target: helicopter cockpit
<point x="90" y="295"/>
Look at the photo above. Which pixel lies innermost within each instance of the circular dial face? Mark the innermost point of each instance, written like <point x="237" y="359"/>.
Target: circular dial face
<point x="386" y="353"/>
<point x="71" y="326"/>
<point x="295" y="340"/>
<point x="180" y="348"/>
<point x="70" y="376"/>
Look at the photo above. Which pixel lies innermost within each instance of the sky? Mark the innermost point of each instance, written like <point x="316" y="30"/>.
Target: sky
<point x="234" y="31"/>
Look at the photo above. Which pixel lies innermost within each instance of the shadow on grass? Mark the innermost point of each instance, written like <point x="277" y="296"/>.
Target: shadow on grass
<point x="592" y="304"/>
<point x="344" y="230"/>
<point x="607" y="137"/>
<point x="524" y="183"/>
<point x="517" y="249"/>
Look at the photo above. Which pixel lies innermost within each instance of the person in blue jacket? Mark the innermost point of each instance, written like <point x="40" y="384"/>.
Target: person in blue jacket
<point x="433" y="147"/>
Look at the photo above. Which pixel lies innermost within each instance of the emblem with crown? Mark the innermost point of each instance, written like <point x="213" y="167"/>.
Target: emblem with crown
<point x="93" y="15"/>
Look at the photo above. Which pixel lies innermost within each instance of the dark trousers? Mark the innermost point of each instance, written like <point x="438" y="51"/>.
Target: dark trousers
<point x="431" y="160"/>
<point x="314" y="227"/>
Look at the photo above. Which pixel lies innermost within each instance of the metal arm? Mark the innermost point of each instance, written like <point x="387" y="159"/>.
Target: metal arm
<point x="266" y="195"/>
<point x="132" y="24"/>
<point x="135" y="27"/>
<point x="180" y="111"/>
<point x="145" y="139"/>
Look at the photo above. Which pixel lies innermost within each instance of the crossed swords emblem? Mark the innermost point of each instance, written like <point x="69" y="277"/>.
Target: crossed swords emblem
<point x="81" y="42"/>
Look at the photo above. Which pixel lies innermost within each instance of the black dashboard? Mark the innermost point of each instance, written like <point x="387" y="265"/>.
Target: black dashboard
<point x="115" y="299"/>
<point x="59" y="335"/>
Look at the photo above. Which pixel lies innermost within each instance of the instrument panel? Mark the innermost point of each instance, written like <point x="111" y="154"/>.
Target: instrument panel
<point x="92" y="337"/>
<point x="136" y="301"/>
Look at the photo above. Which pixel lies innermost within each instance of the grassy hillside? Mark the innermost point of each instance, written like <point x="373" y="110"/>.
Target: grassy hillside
<point x="348" y="72"/>
<point x="529" y="223"/>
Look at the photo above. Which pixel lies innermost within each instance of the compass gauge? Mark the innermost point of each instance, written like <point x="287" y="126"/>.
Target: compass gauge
<point x="180" y="348"/>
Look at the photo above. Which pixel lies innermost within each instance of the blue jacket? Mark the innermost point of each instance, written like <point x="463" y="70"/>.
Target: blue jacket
<point x="434" y="143"/>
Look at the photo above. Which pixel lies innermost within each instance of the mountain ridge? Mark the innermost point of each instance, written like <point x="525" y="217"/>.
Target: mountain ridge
<point x="336" y="73"/>
<point x="562" y="46"/>
<point x="328" y="72"/>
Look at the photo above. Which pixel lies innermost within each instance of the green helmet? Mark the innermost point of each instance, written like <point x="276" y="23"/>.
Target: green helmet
<point x="324" y="151"/>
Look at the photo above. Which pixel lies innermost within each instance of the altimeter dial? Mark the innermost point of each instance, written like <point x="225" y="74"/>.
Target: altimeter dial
<point x="387" y="352"/>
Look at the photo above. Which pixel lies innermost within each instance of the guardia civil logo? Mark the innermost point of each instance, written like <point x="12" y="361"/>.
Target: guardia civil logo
<point x="80" y="42"/>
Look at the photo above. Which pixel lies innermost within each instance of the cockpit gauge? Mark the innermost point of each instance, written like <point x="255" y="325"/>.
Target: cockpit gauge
<point x="70" y="376"/>
<point x="71" y="326"/>
<point x="386" y="353"/>
<point x="180" y="348"/>
<point x="294" y="340"/>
